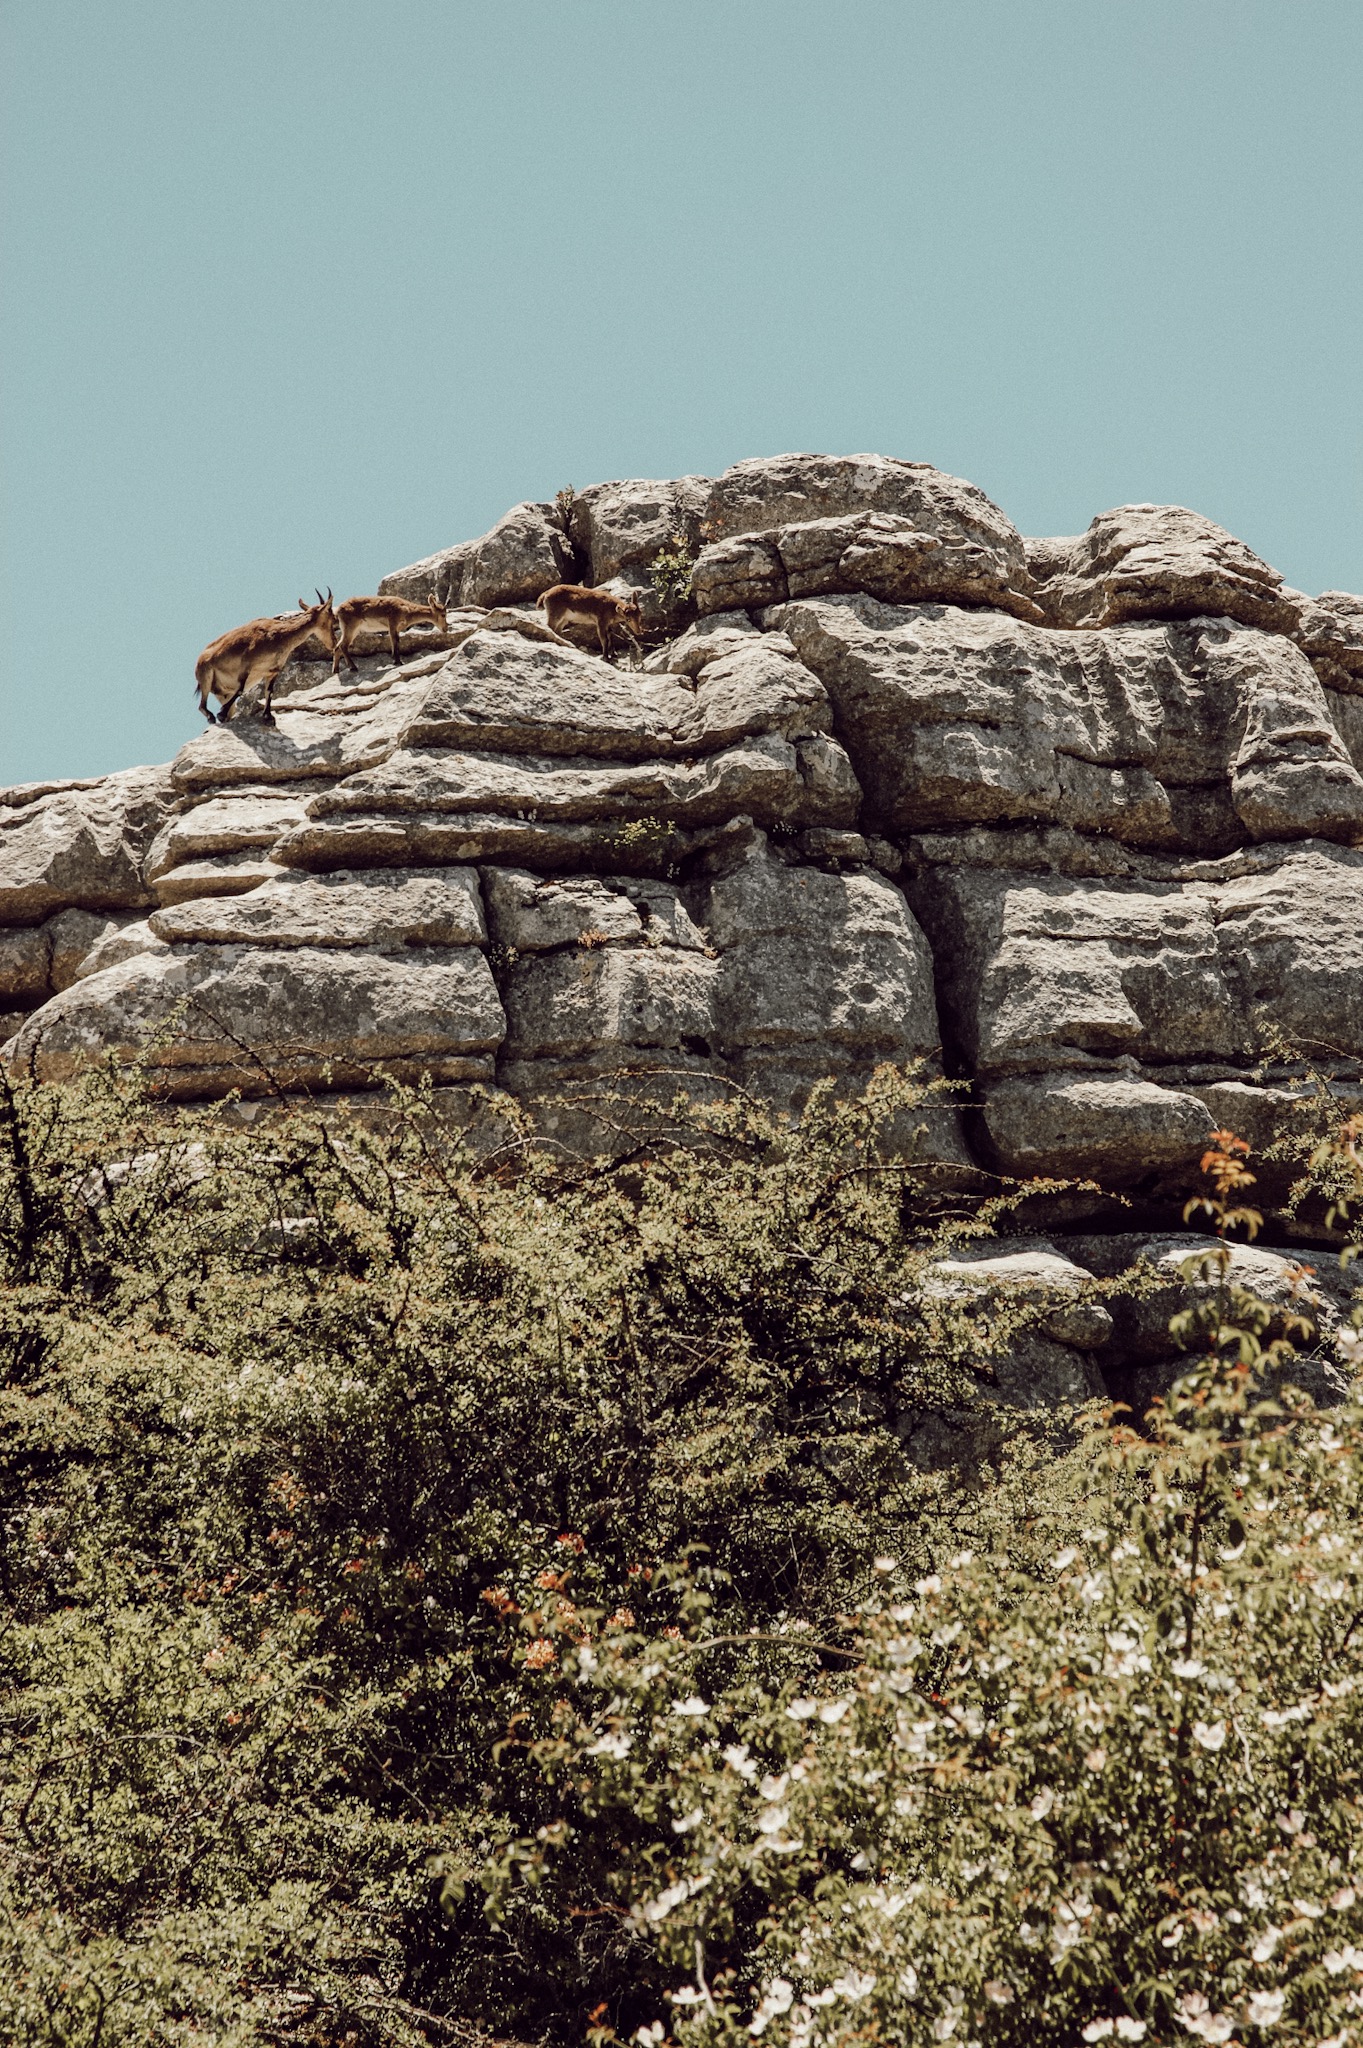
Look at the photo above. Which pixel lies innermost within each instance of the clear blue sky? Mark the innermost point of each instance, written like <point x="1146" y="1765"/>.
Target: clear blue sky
<point x="295" y="291"/>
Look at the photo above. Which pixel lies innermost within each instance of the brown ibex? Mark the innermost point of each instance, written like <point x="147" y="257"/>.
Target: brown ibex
<point x="396" y="613"/>
<point x="256" y="652"/>
<point x="598" y="611"/>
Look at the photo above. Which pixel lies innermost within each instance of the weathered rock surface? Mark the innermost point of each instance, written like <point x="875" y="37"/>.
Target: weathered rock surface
<point x="1078" y="820"/>
<point x="210" y="1018"/>
<point x="1162" y="562"/>
<point x="527" y="551"/>
<point x="80" y="846"/>
<point x="1198" y="737"/>
<point x="383" y="909"/>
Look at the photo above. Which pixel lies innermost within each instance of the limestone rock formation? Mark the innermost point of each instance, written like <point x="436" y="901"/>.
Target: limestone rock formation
<point x="1077" y="821"/>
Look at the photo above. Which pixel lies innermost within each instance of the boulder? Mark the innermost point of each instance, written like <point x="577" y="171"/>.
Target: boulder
<point x="438" y="838"/>
<point x="1163" y="562"/>
<point x="612" y="998"/>
<point x="881" y="553"/>
<point x="1029" y="1271"/>
<point x="503" y="693"/>
<point x="226" y="824"/>
<point x="1164" y="736"/>
<point x="25" y="966"/>
<point x="1048" y="972"/>
<point x="529" y="914"/>
<point x="80" y="847"/>
<point x="1291" y="775"/>
<point x="767" y="777"/>
<point x="73" y="935"/>
<point x="207" y="1019"/>
<point x="385" y="908"/>
<point x="121" y="942"/>
<point x="1144" y="1358"/>
<point x="217" y="874"/>
<point x="619" y="528"/>
<point x="789" y="490"/>
<point x="832" y="964"/>
<point x="1108" y="1127"/>
<point x="1330" y="629"/>
<point x="527" y="551"/>
<point x="704" y="640"/>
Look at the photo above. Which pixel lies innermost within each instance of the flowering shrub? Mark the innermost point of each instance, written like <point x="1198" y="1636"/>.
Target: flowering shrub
<point x="1123" y="1802"/>
<point x="1119" y="1799"/>
<point x="338" y="1474"/>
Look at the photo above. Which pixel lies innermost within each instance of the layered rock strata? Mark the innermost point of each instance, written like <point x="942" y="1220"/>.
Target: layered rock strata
<point x="1079" y="821"/>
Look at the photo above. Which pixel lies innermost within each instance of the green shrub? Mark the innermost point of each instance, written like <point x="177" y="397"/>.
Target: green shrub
<point x="1118" y="1797"/>
<point x="323" y="1447"/>
<point x="282" y="1404"/>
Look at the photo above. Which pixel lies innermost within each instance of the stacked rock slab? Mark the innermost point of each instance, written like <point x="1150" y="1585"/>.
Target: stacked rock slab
<point x="1079" y="820"/>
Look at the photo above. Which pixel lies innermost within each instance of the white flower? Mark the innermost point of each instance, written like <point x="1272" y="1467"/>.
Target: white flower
<point x="802" y="1710"/>
<point x="612" y="1745"/>
<point x="1265" y="2008"/>
<point x="925" y="1586"/>
<point x="1197" y="2017"/>
<point x="1349" y="1345"/>
<point x="687" y="1822"/>
<point x="773" y="1820"/>
<point x="1187" y="1667"/>
<point x="1042" y="1804"/>
<point x="1211" y="1734"/>
<point x="1308" y="1909"/>
<point x="1129" y="2029"/>
<point x="1265" y="1945"/>
<point x="737" y="1758"/>
<point x="659" y="1908"/>
<point x="647" y="2036"/>
<point x="772" y="1788"/>
<point x="997" y="1992"/>
<point x="695" y="1706"/>
<point x="1098" y="2030"/>
<point x="775" y="1999"/>
<point x="857" y="1984"/>
<point x="1063" y="1559"/>
<point x="832" y="1712"/>
<point x="884" y="1564"/>
<point x="963" y="1558"/>
<point x="908" y="1980"/>
<point x="1343" y="1898"/>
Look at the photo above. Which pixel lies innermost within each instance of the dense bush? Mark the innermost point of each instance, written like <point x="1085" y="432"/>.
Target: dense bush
<point x="330" y="1457"/>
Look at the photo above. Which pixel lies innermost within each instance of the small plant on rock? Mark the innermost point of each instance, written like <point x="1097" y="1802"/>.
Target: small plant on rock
<point x="670" y="574"/>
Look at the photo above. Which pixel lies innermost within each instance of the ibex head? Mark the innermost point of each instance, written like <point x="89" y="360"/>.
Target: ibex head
<point x="322" y="617"/>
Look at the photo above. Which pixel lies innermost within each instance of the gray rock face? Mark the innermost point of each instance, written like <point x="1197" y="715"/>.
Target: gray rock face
<point x="211" y="1018"/>
<point x="880" y="553"/>
<point x="1201" y="736"/>
<point x="767" y="493"/>
<point x="1079" y="819"/>
<point x="618" y="529"/>
<point x="526" y="552"/>
<point x="383" y="909"/>
<point x="1162" y="562"/>
<point x="79" y="847"/>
